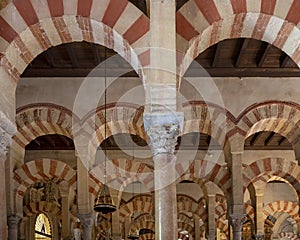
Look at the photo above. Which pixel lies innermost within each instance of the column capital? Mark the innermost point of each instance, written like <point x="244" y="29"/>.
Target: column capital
<point x="7" y="130"/>
<point x="163" y="138"/>
<point x="86" y="220"/>
<point x="236" y="221"/>
<point x="258" y="236"/>
<point x="13" y="220"/>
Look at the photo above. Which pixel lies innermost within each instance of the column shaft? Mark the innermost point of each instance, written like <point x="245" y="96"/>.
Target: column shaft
<point x="197" y="227"/>
<point x="13" y="225"/>
<point x="259" y="214"/>
<point x="86" y="222"/>
<point x="165" y="197"/>
<point x="211" y="217"/>
<point x="3" y="213"/>
<point x="65" y="225"/>
<point x="82" y="188"/>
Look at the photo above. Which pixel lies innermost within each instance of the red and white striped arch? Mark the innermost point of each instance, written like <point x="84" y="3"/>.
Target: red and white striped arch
<point x="187" y="227"/>
<point x="290" y="208"/>
<point x="288" y="170"/>
<point x="249" y="209"/>
<point x="120" y="173"/>
<point x="141" y="204"/>
<point x="31" y="27"/>
<point x="120" y="118"/>
<point x="222" y="224"/>
<point x="279" y="117"/>
<point x="147" y="236"/>
<point x="37" y="120"/>
<point x="206" y="171"/>
<point x="188" y="204"/>
<point x="137" y="225"/>
<point x="183" y="217"/>
<point x="209" y="119"/>
<point x="201" y="24"/>
<point x="38" y="170"/>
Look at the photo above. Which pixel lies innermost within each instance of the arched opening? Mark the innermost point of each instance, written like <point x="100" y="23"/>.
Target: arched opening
<point x="42" y="228"/>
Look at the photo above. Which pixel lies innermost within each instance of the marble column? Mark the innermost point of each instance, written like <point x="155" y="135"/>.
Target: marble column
<point x="116" y="228"/>
<point x="13" y="226"/>
<point x="86" y="221"/>
<point x="211" y="234"/>
<point x="197" y="227"/>
<point x="237" y="216"/>
<point x="259" y="215"/>
<point x="7" y="129"/>
<point x="236" y="221"/>
<point x="65" y="225"/>
<point x="162" y="139"/>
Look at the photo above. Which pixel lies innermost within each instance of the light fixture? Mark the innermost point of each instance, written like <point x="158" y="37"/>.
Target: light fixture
<point x="103" y="202"/>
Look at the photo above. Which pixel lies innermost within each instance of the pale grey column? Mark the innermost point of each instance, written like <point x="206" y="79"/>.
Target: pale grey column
<point x="86" y="221"/>
<point x="7" y="130"/>
<point x="211" y="235"/>
<point x="13" y="226"/>
<point x="163" y="131"/>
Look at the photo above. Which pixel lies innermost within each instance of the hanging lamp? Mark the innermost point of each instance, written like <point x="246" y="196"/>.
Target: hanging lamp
<point x="103" y="202"/>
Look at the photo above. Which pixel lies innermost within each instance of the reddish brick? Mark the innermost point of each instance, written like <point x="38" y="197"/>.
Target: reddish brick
<point x="138" y="29"/>
<point x="56" y="8"/>
<point x="113" y="12"/>
<point x="261" y="26"/>
<point x="293" y="14"/>
<point x="239" y="6"/>
<point x="26" y="10"/>
<point x="238" y="25"/>
<point x="184" y="28"/>
<point x="268" y="6"/>
<point x="6" y="31"/>
<point x="84" y="7"/>
<point x="209" y="10"/>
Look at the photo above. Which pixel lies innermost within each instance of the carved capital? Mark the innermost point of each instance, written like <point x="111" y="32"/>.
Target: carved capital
<point x="86" y="220"/>
<point x="163" y="138"/>
<point x="13" y="221"/>
<point x="258" y="236"/>
<point x="7" y="130"/>
<point x="236" y="221"/>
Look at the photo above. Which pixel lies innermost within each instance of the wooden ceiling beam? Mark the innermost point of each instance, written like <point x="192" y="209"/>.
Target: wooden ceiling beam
<point x="241" y="52"/>
<point x="281" y="140"/>
<point x="264" y="53"/>
<point x="269" y="138"/>
<point x="50" y="140"/>
<point x="284" y="58"/>
<point x="96" y="53"/>
<point x="255" y="138"/>
<point x="72" y="55"/>
<point x="216" y="54"/>
<point x="115" y="72"/>
<point x="49" y="57"/>
<point x="64" y="140"/>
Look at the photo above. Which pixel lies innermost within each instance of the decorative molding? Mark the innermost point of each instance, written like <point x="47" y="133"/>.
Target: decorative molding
<point x="163" y="138"/>
<point x="236" y="221"/>
<point x="86" y="220"/>
<point x="7" y="130"/>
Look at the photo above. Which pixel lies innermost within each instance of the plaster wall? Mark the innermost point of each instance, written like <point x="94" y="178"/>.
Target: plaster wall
<point x="235" y="94"/>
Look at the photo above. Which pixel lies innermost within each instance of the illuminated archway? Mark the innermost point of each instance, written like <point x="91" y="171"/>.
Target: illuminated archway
<point x="42" y="228"/>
